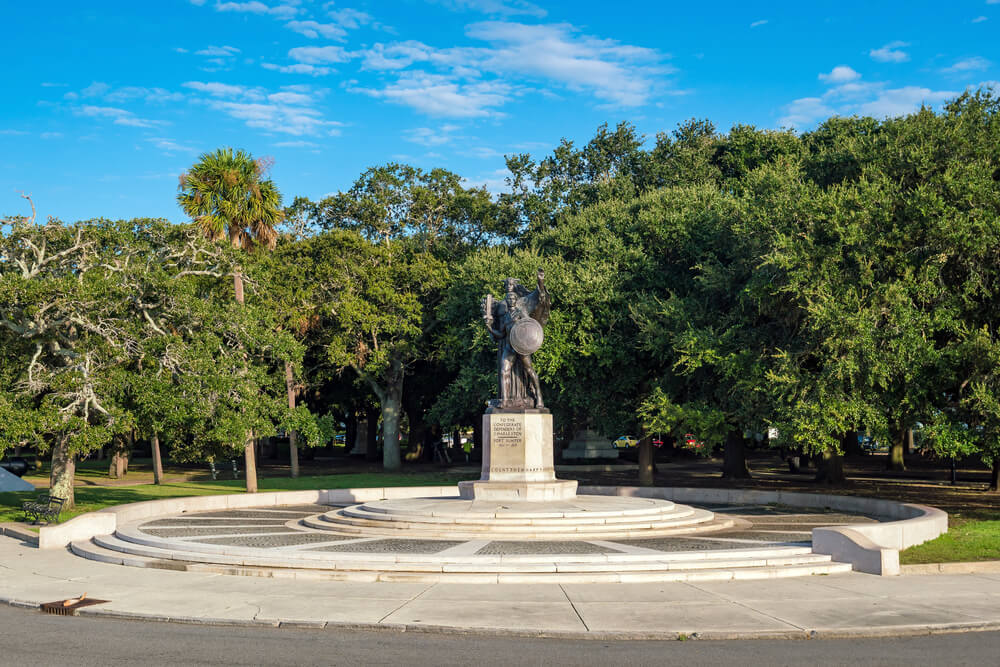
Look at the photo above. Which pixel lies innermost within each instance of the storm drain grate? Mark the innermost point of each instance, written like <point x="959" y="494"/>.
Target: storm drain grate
<point x="68" y="607"/>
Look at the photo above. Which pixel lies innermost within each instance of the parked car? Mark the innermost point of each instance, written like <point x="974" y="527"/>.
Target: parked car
<point x="625" y="442"/>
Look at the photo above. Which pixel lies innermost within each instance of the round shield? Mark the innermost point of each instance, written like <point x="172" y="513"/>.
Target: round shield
<point x="526" y="336"/>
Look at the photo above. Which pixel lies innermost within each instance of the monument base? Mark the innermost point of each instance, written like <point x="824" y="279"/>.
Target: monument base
<point x="558" y="489"/>
<point x="517" y="459"/>
<point x="589" y="445"/>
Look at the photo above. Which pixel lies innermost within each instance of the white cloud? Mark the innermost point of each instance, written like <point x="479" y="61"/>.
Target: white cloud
<point x="149" y="95"/>
<point x="979" y="19"/>
<point x="974" y="64"/>
<point x="890" y="53"/>
<point x="840" y="74"/>
<point x="218" y="51"/>
<point x="313" y="29"/>
<point x="299" y="68"/>
<point x="216" y="89"/>
<point x="757" y="24"/>
<point x="51" y="135"/>
<point x="319" y="55"/>
<point x="95" y="89"/>
<point x="288" y="97"/>
<point x="426" y="136"/>
<point x="120" y="116"/>
<point x="13" y="133"/>
<point x="50" y="84"/>
<point x="902" y="101"/>
<point x="170" y="146"/>
<point x="619" y="74"/>
<point x="805" y="111"/>
<point x="289" y="110"/>
<point x="438" y="95"/>
<point x="255" y="7"/>
<point x="496" y="7"/>
<point x="351" y="19"/>
<point x="296" y="144"/>
<point x="180" y="50"/>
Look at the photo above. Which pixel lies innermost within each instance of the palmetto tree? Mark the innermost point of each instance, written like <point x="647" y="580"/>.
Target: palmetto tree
<point x="226" y="195"/>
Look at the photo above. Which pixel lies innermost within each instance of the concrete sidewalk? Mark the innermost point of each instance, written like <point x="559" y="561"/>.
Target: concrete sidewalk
<point x="828" y="606"/>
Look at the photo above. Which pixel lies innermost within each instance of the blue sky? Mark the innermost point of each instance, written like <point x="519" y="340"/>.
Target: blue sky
<point x="105" y="103"/>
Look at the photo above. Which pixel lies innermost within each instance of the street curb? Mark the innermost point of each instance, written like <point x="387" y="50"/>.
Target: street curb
<point x="966" y="567"/>
<point x="19" y="532"/>
<point x="703" y="635"/>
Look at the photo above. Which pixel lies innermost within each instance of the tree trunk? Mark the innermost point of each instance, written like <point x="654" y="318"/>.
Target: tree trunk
<point x="392" y="406"/>
<point x="896" y="460"/>
<point x="63" y="471"/>
<point x="734" y="461"/>
<point x="995" y="476"/>
<point x="371" y="444"/>
<point x="350" y="431"/>
<point x="909" y="442"/>
<point x="851" y="445"/>
<point x="157" y="461"/>
<point x="646" y="477"/>
<point x="830" y="470"/>
<point x="121" y="449"/>
<point x="250" y="462"/>
<point x="238" y="285"/>
<point x="293" y="450"/>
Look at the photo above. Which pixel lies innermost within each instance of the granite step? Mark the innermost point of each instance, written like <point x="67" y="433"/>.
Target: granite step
<point x="704" y="570"/>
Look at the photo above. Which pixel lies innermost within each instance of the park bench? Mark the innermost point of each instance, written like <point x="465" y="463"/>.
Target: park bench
<point x="215" y="471"/>
<point x="43" y="507"/>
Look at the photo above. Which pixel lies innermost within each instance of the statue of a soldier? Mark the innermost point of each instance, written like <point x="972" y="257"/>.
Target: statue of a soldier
<point x="515" y="323"/>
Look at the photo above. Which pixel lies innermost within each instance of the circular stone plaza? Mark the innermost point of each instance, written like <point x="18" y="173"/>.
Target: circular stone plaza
<point x="431" y="534"/>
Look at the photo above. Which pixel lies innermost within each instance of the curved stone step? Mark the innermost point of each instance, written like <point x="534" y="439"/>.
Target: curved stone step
<point x="361" y="512"/>
<point x="703" y="570"/>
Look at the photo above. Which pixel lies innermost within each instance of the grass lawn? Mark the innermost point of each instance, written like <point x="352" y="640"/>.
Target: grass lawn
<point x="90" y="498"/>
<point x="971" y="541"/>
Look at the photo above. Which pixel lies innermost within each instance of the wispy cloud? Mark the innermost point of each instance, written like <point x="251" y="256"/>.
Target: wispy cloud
<point x="285" y="11"/>
<point x="315" y="29"/>
<point x="973" y="64"/>
<point x="170" y="147"/>
<point x="495" y="7"/>
<point x="439" y="95"/>
<point x="289" y="110"/>
<point x="119" y="116"/>
<point x="558" y="55"/>
<point x="426" y="136"/>
<point x="319" y="55"/>
<point x="296" y="144"/>
<point x="979" y="19"/>
<point x="890" y="53"/>
<point x="757" y="24"/>
<point x="298" y="68"/>
<point x="218" y="51"/>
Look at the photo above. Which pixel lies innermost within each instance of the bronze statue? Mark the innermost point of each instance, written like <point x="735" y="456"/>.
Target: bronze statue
<point x="515" y="323"/>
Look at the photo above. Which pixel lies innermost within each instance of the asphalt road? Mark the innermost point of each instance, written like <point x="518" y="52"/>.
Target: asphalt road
<point x="32" y="638"/>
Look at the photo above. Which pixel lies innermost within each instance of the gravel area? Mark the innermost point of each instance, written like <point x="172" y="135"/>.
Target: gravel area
<point x="394" y="546"/>
<point x="511" y="548"/>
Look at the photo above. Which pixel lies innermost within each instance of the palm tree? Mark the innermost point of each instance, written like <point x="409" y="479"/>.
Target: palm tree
<point x="226" y="194"/>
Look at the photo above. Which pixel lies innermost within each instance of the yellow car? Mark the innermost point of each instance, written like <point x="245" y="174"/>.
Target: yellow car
<point x="625" y="442"/>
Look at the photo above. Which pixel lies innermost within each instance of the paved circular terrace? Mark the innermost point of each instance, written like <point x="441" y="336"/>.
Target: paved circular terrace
<point x="316" y="541"/>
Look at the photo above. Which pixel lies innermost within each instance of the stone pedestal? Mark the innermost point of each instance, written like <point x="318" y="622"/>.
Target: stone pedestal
<point x="589" y="445"/>
<point x="517" y="460"/>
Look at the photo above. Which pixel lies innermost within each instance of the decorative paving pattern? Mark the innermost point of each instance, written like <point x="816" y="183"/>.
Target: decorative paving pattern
<point x="256" y="514"/>
<point x="208" y="532"/>
<point x="265" y="529"/>
<point x="273" y="541"/>
<point x="519" y="548"/>
<point x="393" y="546"/>
<point x="181" y="522"/>
<point x="675" y="544"/>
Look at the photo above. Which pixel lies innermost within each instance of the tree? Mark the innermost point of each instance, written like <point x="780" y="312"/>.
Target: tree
<point x="226" y="195"/>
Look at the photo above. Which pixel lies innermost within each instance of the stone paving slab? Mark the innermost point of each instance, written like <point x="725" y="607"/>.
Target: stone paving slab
<point x="657" y="617"/>
<point x="516" y="548"/>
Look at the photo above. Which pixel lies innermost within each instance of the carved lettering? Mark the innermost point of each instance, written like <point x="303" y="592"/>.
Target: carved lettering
<point x="506" y="431"/>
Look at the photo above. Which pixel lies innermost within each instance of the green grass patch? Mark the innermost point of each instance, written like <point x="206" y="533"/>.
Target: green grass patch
<point x="971" y="541"/>
<point x="90" y="498"/>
